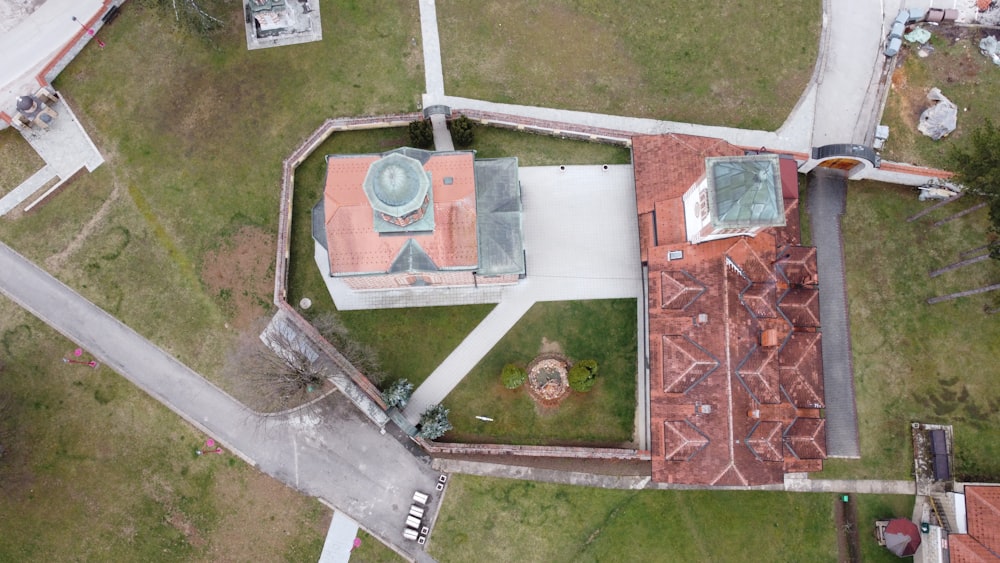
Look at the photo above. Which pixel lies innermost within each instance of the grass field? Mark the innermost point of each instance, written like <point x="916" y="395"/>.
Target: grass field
<point x="18" y="160"/>
<point x="93" y="469"/>
<point x="914" y="361"/>
<point x="727" y="63"/>
<point x="964" y="75"/>
<point x="603" y="330"/>
<point x="487" y="519"/>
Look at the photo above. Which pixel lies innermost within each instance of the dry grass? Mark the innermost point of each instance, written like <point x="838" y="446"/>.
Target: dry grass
<point x="722" y="63"/>
<point x="97" y="469"/>
<point x="18" y="160"/>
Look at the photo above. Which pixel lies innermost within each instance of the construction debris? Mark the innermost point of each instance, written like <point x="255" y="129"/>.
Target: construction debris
<point x="941" y="118"/>
<point x="989" y="46"/>
<point x="918" y="35"/>
<point x="939" y="189"/>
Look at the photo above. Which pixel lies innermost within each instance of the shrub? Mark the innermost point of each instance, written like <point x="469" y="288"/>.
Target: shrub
<point x="462" y="131"/>
<point x="434" y="422"/>
<point x="421" y="134"/>
<point x="583" y="375"/>
<point x="398" y="394"/>
<point x="513" y="376"/>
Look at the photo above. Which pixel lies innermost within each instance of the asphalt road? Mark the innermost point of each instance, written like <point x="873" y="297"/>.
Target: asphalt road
<point x="328" y="450"/>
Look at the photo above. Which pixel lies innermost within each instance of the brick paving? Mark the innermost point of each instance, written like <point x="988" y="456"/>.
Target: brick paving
<point x="827" y="201"/>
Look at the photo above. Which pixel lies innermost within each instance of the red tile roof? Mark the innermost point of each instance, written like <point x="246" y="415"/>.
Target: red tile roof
<point x="982" y="507"/>
<point x="725" y="409"/>
<point x="355" y="247"/>
<point x="962" y="548"/>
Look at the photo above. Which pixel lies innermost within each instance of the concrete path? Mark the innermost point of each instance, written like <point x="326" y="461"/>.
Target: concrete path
<point x="339" y="539"/>
<point x="433" y="73"/>
<point x="793" y="483"/>
<point x="827" y="200"/>
<point x="328" y="450"/>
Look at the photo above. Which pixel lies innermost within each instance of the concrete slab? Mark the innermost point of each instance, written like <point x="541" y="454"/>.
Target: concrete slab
<point x="339" y="539"/>
<point x="64" y="146"/>
<point x="305" y="26"/>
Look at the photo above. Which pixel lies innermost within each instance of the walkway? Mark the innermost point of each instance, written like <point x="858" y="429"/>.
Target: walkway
<point x="827" y="200"/>
<point x="328" y="450"/>
<point x="581" y="239"/>
<point x="794" y="483"/>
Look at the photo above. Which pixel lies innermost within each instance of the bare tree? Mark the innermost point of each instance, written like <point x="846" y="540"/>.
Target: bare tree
<point x="277" y="374"/>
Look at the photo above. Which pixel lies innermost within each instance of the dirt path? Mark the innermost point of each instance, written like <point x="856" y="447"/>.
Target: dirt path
<point x="55" y="261"/>
<point x="848" y="543"/>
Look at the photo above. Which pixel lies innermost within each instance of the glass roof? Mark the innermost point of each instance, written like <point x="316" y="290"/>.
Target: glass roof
<point x="745" y="191"/>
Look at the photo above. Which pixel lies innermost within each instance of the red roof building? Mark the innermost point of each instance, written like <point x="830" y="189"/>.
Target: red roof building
<point x="410" y="217"/>
<point x="735" y="364"/>
<point x="982" y="542"/>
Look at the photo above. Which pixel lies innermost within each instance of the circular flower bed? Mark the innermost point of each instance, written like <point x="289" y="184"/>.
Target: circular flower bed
<point x="547" y="379"/>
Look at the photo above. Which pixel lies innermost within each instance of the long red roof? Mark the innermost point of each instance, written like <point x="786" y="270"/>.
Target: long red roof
<point x="724" y="408"/>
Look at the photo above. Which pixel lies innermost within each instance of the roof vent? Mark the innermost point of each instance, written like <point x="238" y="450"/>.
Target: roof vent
<point x="675" y="254"/>
<point x="769" y="338"/>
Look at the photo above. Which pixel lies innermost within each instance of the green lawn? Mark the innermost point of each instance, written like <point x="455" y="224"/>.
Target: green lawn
<point x="541" y="150"/>
<point x="724" y="63"/>
<point x="914" y="361"/>
<point x="18" y="160"/>
<point x="964" y="75"/>
<point x="373" y="551"/>
<point x="879" y="507"/>
<point x="486" y="519"/>
<point x="93" y="469"/>
<point x="603" y="330"/>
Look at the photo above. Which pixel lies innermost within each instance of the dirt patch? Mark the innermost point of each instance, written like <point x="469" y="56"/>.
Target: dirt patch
<point x="848" y="542"/>
<point x="550" y="347"/>
<point x="270" y="512"/>
<point x="240" y="275"/>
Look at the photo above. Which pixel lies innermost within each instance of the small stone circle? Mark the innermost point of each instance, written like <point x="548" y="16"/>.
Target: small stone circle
<point x="548" y="382"/>
<point x="305" y="303"/>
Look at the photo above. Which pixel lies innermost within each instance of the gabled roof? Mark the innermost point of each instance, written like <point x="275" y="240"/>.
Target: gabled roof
<point x="982" y="506"/>
<point x="806" y="438"/>
<point x="963" y="548"/>
<point x="682" y="440"/>
<point x="412" y="258"/>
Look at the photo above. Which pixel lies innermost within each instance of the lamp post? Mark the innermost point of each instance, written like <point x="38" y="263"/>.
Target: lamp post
<point x="90" y="31"/>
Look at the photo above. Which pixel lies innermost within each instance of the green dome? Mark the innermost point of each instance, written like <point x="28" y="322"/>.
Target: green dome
<point x="396" y="185"/>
